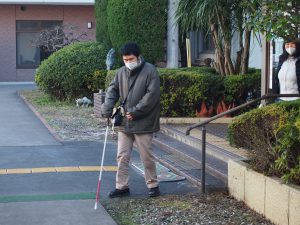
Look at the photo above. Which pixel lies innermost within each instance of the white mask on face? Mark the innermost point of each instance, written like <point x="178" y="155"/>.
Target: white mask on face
<point x="290" y="50"/>
<point x="131" y="65"/>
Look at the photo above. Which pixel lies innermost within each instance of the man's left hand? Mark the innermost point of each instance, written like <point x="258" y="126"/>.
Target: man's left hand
<point x="129" y="116"/>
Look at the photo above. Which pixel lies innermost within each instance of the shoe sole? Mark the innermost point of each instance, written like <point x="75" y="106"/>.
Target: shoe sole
<point x="120" y="195"/>
<point x="154" y="195"/>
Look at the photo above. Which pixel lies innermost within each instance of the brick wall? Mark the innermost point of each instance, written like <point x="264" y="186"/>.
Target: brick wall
<point x="75" y="15"/>
<point x="80" y="16"/>
<point x="7" y="43"/>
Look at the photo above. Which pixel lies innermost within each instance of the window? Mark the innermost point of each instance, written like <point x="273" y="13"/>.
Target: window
<point x="208" y="44"/>
<point x="29" y="56"/>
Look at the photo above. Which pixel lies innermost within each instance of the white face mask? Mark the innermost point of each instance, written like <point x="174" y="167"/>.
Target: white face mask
<point x="290" y="50"/>
<point x="131" y="65"/>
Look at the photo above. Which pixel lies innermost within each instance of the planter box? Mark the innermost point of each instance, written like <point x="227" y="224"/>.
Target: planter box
<point x="98" y="100"/>
<point x="278" y="202"/>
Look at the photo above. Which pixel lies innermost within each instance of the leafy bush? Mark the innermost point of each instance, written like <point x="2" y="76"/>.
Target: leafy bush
<point x="272" y="134"/>
<point x="74" y="71"/>
<point x="184" y="89"/>
<point x="143" y="22"/>
<point x="240" y="87"/>
<point x="109" y="77"/>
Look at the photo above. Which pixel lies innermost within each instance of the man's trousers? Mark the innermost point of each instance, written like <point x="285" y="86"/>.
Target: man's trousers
<point x="143" y="143"/>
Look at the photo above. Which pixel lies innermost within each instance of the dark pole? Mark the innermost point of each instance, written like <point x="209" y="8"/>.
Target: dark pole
<point x="203" y="158"/>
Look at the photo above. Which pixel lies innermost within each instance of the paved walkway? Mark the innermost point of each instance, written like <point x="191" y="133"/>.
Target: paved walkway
<point x="60" y="192"/>
<point x="19" y="126"/>
<point x="21" y="194"/>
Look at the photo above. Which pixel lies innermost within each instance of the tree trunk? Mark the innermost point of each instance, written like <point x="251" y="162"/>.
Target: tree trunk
<point x="226" y="36"/>
<point x="246" y="53"/>
<point x="239" y="53"/>
<point x="219" y="54"/>
<point x="228" y="61"/>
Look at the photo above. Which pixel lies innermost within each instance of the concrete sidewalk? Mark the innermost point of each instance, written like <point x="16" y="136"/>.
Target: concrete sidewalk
<point x="20" y="128"/>
<point x="19" y="125"/>
<point x="79" y="212"/>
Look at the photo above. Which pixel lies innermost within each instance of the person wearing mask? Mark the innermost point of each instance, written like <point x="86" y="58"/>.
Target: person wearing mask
<point x="137" y="83"/>
<point x="287" y="78"/>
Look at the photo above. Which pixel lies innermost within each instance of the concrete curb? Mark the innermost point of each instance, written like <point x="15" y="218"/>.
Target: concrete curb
<point x="191" y="120"/>
<point x="39" y="116"/>
<point x="268" y="196"/>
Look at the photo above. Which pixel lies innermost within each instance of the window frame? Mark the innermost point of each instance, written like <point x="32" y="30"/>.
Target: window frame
<point x="33" y="30"/>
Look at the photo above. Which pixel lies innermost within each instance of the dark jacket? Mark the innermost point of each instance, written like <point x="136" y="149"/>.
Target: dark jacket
<point x="142" y="101"/>
<point x="276" y="86"/>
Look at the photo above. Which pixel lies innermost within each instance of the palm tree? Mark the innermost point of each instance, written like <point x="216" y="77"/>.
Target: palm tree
<point x="222" y="18"/>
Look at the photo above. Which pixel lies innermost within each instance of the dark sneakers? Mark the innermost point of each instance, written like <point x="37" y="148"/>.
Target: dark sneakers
<point x="154" y="192"/>
<point x="119" y="193"/>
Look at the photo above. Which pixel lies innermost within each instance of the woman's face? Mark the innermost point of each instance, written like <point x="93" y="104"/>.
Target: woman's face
<point x="290" y="48"/>
<point x="290" y="45"/>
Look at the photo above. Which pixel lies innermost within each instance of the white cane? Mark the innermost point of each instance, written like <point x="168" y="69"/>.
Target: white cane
<point x="101" y="167"/>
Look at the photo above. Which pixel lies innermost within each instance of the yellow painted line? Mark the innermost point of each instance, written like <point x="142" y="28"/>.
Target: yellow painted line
<point x="18" y="171"/>
<point x="97" y="168"/>
<point x="110" y="168"/>
<point x="67" y="169"/>
<point x="44" y="170"/>
<point x="89" y="168"/>
<point x="58" y="169"/>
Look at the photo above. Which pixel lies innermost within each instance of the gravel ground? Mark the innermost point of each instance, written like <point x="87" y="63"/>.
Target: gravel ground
<point x="183" y="210"/>
<point x="70" y="122"/>
<point x="77" y="123"/>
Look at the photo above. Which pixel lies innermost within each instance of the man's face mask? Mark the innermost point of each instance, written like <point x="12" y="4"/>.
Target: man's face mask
<point x="290" y="50"/>
<point x="131" y="65"/>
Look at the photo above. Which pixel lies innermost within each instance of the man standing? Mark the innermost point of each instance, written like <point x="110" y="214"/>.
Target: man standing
<point x="136" y="83"/>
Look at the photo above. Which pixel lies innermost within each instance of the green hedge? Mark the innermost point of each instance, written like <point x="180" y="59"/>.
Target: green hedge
<point x="102" y="34"/>
<point x="272" y="134"/>
<point x="143" y="22"/>
<point x="238" y="87"/>
<point x="75" y="71"/>
<point x="183" y="90"/>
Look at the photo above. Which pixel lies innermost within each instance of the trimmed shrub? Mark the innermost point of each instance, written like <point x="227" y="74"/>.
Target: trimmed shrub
<point x="183" y="90"/>
<point x="109" y="77"/>
<point x="102" y="34"/>
<point x="143" y="22"/>
<point x="75" y="71"/>
<point x="272" y="135"/>
<point x="239" y="88"/>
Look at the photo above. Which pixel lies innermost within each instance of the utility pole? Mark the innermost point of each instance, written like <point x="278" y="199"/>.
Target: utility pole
<point x="172" y="35"/>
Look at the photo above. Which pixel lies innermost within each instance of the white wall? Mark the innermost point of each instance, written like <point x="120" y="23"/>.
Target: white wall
<point x="255" y="53"/>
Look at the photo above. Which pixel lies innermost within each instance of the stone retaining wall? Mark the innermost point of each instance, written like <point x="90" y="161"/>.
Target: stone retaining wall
<point x="278" y="202"/>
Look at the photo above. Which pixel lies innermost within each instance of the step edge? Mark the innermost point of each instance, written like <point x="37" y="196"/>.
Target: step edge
<point x="190" y="178"/>
<point x="209" y="168"/>
<point x="196" y="143"/>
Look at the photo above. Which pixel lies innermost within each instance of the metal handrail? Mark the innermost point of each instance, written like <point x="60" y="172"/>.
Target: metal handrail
<point x="203" y="123"/>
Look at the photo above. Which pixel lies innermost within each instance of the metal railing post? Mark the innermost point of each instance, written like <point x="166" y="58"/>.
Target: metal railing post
<point x="203" y="158"/>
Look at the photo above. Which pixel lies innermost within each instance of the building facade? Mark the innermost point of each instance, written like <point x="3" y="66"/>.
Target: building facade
<point x="22" y="21"/>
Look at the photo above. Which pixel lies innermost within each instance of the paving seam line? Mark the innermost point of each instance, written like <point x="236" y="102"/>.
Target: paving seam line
<point x="57" y="169"/>
<point x="54" y="197"/>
